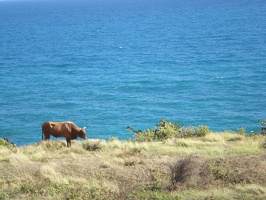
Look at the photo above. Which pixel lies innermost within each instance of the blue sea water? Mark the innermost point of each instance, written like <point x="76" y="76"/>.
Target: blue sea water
<point x="109" y="64"/>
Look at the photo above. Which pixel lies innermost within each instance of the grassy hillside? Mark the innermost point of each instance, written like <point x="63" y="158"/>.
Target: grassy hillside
<point x="214" y="166"/>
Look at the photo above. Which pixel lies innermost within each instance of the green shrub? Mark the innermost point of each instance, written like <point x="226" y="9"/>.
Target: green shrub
<point x="26" y="188"/>
<point x="4" y="195"/>
<point x="97" y="193"/>
<point x="241" y="131"/>
<point x="56" y="188"/>
<point x="187" y="131"/>
<point x="147" y="136"/>
<point x="202" y="131"/>
<point x="263" y="126"/>
<point x="2" y="142"/>
<point x="165" y="130"/>
<point x="5" y="142"/>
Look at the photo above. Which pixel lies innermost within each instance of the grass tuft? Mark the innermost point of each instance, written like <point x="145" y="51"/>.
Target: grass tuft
<point x="94" y="145"/>
<point x="48" y="171"/>
<point x="18" y="159"/>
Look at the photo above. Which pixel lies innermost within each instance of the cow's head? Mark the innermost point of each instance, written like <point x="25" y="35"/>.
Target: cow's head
<point x="82" y="133"/>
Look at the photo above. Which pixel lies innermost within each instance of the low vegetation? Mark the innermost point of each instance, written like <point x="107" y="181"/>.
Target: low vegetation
<point x="170" y="162"/>
<point x="165" y="130"/>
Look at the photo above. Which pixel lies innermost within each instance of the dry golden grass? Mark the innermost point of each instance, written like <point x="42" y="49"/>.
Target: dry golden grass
<point x="97" y="169"/>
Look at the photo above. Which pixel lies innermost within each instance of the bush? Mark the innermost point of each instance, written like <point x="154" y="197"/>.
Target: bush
<point x="2" y="142"/>
<point x="182" y="171"/>
<point x="5" y="142"/>
<point x="263" y="126"/>
<point x="241" y="131"/>
<point x="165" y="130"/>
<point x="4" y="195"/>
<point x="202" y="131"/>
<point x="188" y="131"/>
<point x="147" y="136"/>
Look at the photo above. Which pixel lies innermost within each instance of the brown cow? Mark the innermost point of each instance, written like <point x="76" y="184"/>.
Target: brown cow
<point x="69" y="130"/>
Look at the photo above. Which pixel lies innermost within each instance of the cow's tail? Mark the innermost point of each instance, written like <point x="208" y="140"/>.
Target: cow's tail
<point x="42" y="133"/>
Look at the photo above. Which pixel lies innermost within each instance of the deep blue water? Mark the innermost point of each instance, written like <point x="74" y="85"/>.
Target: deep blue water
<point x="109" y="64"/>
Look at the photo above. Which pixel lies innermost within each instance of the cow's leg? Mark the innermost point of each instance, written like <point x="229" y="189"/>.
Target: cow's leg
<point x="46" y="136"/>
<point x="68" y="142"/>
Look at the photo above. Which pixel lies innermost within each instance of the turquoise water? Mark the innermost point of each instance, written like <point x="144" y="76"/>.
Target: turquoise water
<point x="111" y="64"/>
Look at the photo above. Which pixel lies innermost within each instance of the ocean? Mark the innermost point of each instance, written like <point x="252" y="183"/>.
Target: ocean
<point x="109" y="64"/>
